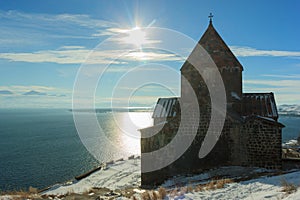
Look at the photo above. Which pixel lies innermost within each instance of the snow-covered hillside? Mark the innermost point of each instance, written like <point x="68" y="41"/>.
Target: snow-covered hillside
<point x="289" y="109"/>
<point x="124" y="174"/>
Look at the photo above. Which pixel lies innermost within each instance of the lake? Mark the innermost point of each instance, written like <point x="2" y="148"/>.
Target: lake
<point x="41" y="147"/>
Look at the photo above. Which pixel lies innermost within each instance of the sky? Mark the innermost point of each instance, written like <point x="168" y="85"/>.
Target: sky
<point x="52" y="49"/>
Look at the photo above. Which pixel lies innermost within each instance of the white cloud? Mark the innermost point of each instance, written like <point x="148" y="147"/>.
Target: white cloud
<point x="152" y="56"/>
<point x="286" y="91"/>
<point x="64" y="56"/>
<point x="249" y="51"/>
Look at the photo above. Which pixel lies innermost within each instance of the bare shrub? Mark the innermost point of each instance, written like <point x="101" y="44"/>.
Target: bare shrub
<point x="162" y="192"/>
<point x="288" y="188"/>
<point x="183" y="190"/>
<point x="222" y="182"/>
<point x="134" y="198"/>
<point x="211" y="185"/>
<point x="200" y="188"/>
<point x="33" y="190"/>
<point x="155" y="195"/>
<point x="174" y="192"/>
<point x="190" y="188"/>
<point x="146" y="196"/>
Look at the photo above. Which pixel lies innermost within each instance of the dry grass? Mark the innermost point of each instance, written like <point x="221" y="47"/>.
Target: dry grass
<point x="21" y="193"/>
<point x="218" y="184"/>
<point x="288" y="188"/>
<point x="153" y="195"/>
<point x="212" y="185"/>
<point x="161" y="193"/>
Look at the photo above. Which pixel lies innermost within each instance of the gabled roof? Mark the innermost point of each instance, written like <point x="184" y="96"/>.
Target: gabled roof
<point x="165" y="107"/>
<point x="260" y="104"/>
<point x="212" y="42"/>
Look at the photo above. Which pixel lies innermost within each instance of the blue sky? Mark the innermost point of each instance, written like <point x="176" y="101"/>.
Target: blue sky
<point x="44" y="44"/>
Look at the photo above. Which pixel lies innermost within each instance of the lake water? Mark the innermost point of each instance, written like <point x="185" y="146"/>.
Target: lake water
<point x="41" y="147"/>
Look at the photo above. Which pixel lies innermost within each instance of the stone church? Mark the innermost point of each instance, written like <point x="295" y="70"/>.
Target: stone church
<point x="251" y="135"/>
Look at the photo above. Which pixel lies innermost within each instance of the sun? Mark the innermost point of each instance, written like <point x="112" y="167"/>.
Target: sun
<point x="136" y="37"/>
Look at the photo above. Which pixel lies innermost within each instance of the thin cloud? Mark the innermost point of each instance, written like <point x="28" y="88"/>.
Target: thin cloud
<point x="71" y="47"/>
<point x="67" y="56"/>
<point x="249" y="51"/>
<point x="282" y="76"/>
<point x="109" y="32"/>
<point x="75" y="55"/>
<point x="275" y="83"/>
<point x="49" y="19"/>
<point x="19" y="29"/>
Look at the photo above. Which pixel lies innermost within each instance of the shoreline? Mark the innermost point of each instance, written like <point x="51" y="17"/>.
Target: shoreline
<point x="79" y="177"/>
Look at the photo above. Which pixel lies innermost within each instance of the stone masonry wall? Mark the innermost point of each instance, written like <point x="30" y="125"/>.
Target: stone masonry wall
<point x="189" y="162"/>
<point x="263" y="144"/>
<point x="253" y="143"/>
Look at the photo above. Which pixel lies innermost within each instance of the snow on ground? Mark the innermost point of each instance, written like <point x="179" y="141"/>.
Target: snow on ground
<point x="119" y="175"/>
<point x="226" y="172"/>
<point x="126" y="173"/>
<point x="261" y="188"/>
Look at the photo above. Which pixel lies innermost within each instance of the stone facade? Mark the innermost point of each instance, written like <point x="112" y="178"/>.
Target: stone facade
<point x="251" y="135"/>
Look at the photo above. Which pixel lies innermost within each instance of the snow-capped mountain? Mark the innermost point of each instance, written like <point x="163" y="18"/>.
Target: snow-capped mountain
<point x="289" y="109"/>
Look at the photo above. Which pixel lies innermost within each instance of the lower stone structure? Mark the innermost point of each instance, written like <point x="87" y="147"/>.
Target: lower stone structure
<point x="253" y="141"/>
